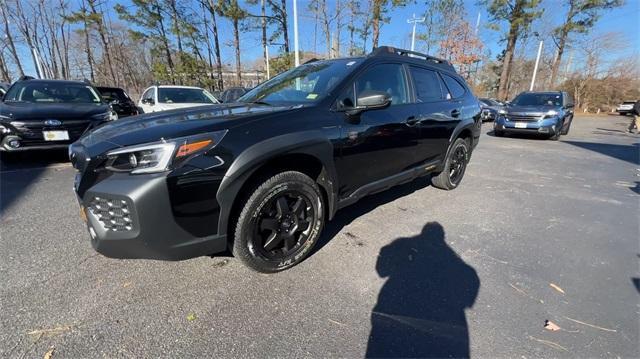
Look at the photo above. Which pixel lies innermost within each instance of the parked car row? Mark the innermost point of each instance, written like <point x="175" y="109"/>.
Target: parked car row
<point x="44" y="114"/>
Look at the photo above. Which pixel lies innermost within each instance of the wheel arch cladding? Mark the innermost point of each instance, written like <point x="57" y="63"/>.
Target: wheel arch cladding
<point x="308" y="152"/>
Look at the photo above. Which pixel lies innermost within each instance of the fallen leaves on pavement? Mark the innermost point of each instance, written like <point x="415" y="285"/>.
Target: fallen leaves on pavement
<point x="556" y="287"/>
<point x="49" y="353"/>
<point x="549" y="325"/>
<point x="50" y="332"/>
<point x="191" y="317"/>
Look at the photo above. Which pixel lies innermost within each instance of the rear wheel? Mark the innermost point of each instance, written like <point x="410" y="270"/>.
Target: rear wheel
<point x="280" y="223"/>
<point x="454" y="166"/>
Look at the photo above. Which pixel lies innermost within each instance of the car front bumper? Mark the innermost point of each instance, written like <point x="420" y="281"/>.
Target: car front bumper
<point x="130" y="216"/>
<point x="546" y="126"/>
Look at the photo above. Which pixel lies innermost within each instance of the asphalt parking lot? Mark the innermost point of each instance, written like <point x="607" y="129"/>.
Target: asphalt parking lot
<point x="539" y="230"/>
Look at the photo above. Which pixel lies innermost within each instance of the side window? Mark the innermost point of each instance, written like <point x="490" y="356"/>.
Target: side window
<point x="427" y="85"/>
<point x="148" y="94"/>
<point x="385" y="77"/>
<point x="455" y="88"/>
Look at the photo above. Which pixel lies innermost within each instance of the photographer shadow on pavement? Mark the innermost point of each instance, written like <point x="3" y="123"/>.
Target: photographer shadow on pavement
<point x="420" y="309"/>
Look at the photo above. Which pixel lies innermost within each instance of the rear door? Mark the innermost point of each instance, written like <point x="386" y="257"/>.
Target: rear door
<point x="433" y="113"/>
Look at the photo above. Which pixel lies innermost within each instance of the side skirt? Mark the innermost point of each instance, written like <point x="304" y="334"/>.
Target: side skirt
<point x="386" y="183"/>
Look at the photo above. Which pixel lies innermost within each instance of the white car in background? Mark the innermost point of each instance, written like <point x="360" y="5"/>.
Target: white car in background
<point x="162" y="98"/>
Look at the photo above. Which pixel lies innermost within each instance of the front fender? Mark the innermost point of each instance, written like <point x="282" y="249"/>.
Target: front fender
<point x="313" y="143"/>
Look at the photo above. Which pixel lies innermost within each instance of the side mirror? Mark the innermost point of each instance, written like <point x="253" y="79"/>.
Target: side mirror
<point x="370" y="100"/>
<point x="148" y="101"/>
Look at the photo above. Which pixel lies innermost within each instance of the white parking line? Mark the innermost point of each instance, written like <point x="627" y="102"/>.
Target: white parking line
<point x="62" y="165"/>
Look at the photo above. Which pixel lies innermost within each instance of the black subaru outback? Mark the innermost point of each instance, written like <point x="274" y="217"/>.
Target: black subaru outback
<point x="262" y="176"/>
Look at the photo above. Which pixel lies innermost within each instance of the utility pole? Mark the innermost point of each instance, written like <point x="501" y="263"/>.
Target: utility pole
<point x="266" y="50"/>
<point x="295" y="32"/>
<point x="535" y="68"/>
<point x="414" y="20"/>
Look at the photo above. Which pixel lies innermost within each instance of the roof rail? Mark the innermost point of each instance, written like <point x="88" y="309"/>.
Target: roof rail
<point x="25" y="78"/>
<point x="389" y="50"/>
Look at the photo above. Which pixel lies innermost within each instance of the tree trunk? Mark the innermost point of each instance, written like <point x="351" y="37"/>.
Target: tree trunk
<point x="338" y="26"/>
<point x="216" y="43"/>
<point x="12" y="47"/>
<point x="165" y="43"/>
<point x="88" y="46"/>
<point x="284" y="28"/>
<point x="264" y="34"/>
<point x="236" y="44"/>
<point x="208" y="39"/>
<point x="4" y="72"/>
<point x="376" y="23"/>
<point x="176" y="25"/>
<point x="103" y="38"/>
<point x="558" y="59"/>
<point x="507" y="62"/>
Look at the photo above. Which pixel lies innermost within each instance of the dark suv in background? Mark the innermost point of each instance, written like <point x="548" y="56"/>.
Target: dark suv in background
<point x="46" y="114"/>
<point x="545" y="113"/>
<point x="261" y="176"/>
<point x="119" y="100"/>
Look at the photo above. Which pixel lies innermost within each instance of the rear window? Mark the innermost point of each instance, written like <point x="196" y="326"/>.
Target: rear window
<point x="427" y="84"/>
<point x="455" y="88"/>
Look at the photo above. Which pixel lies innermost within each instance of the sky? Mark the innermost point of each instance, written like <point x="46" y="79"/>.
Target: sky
<point x="624" y="20"/>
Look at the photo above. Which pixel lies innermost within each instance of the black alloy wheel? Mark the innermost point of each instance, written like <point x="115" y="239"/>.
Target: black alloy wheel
<point x="284" y="225"/>
<point x="458" y="164"/>
<point x="280" y="222"/>
<point x="454" y="167"/>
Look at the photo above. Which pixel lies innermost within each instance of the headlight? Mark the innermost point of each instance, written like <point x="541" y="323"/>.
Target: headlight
<point x="550" y="113"/>
<point x="160" y="156"/>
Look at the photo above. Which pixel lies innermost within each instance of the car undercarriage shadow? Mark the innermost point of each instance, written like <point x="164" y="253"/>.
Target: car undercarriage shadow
<point x="628" y="153"/>
<point x="348" y="214"/>
<point x="533" y="136"/>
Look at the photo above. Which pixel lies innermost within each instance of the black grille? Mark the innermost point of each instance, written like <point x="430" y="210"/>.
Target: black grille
<point x="113" y="214"/>
<point x="31" y="131"/>
<point x="522" y="118"/>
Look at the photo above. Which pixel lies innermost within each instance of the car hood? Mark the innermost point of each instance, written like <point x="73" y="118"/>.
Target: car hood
<point x="59" y="111"/>
<point x="530" y="110"/>
<point x="172" y="124"/>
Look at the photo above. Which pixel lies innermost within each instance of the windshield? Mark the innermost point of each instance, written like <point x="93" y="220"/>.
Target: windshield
<point x="538" y="99"/>
<point x="113" y="94"/>
<point x="184" y="95"/>
<point x="304" y="84"/>
<point x="51" y="92"/>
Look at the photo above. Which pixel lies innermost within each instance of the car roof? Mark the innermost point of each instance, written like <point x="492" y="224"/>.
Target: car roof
<point x="108" y="88"/>
<point x="70" y="82"/>
<point x="179" y="87"/>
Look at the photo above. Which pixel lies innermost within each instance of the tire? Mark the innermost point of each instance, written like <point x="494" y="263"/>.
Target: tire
<point x="454" y="167"/>
<point x="565" y="131"/>
<point x="498" y="133"/>
<point x="280" y="223"/>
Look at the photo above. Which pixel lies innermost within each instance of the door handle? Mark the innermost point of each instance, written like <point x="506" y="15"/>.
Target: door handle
<point x="411" y="121"/>
<point x="455" y="113"/>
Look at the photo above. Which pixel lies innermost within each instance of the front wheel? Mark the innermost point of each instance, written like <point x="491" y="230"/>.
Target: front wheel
<point x="454" y="166"/>
<point x="280" y="223"/>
